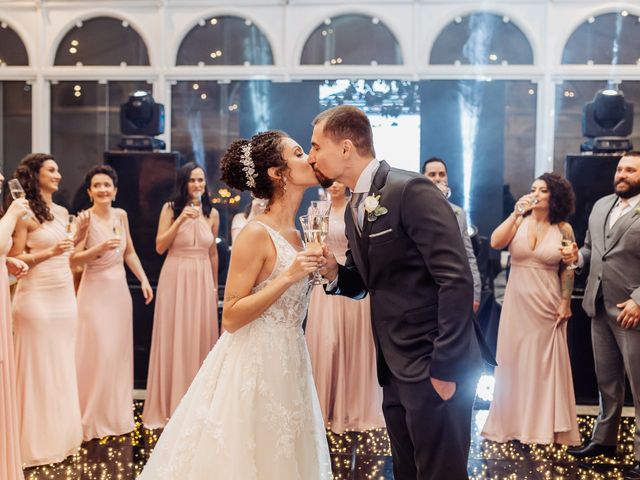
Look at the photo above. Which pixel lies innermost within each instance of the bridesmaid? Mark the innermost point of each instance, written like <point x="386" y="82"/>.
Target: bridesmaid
<point x="104" y="351"/>
<point x="10" y="463"/>
<point x="45" y="321"/>
<point x="341" y="344"/>
<point x="185" y="325"/>
<point x="533" y="401"/>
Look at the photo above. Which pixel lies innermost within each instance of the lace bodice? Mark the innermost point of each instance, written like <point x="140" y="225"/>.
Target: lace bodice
<point x="291" y="308"/>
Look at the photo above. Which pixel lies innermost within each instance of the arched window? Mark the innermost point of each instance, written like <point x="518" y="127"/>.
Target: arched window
<point x="608" y="39"/>
<point x="481" y="38"/>
<point x="102" y="41"/>
<point x="225" y="40"/>
<point x="12" y="50"/>
<point x="351" y="40"/>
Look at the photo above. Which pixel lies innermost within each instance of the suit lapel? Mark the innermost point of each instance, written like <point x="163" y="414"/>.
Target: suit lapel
<point x="378" y="183"/>
<point x="620" y="227"/>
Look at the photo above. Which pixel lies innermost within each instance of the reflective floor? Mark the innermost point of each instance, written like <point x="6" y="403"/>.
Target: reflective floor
<point x="360" y="456"/>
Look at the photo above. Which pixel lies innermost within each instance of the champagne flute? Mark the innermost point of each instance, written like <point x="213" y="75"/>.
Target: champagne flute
<point x="312" y="242"/>
<point x="567" y="248"/>
<point x="531" y="201"/>
<point x="318" y="213"/>
<point x="196" y="201"/>
<point x="18" y="192"/>
<point x="70" y="228"/>
<point x="116" y="231"/>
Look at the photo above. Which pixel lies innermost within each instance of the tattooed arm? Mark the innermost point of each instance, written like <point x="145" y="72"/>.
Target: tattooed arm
<point x="566" y="279"/>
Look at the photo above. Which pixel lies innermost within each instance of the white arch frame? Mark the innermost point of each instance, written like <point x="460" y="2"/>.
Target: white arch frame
<point x="528" y="33"/>
<point x="313" y="24"/>
<point x="100" y="13"/>
<point x="570" y="30"/>
<point x="22" y="35"/>
<point x="181" y="34"/>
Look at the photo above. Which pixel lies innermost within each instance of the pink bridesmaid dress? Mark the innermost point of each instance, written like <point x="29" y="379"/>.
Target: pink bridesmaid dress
<point x="342" y="353"/>
<point x="533" y="401"/>
<point x="104" y="351"/>
<point x="10" y="463"/>
<point x="185" y="324"/>
<point x="45" y="319"/>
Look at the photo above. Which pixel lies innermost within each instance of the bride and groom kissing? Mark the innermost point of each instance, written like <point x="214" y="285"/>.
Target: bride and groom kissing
<point x="252" y="411"/>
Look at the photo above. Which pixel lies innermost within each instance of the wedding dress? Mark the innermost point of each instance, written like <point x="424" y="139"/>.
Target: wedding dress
<point x="252" y="412"/>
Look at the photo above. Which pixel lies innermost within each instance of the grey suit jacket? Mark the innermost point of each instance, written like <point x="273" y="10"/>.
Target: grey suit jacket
<point x="461" y="217"/>
<point x="613" y="258"/>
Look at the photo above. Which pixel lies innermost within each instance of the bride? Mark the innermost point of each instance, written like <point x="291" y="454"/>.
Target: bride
<point x="252" y="411"/>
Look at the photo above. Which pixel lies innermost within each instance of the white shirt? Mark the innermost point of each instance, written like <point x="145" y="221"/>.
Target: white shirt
<point x="615" y="214"/>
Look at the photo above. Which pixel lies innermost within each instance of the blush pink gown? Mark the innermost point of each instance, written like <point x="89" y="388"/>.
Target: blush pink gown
<point x="342" y="352"/>
<point x="10" y="463"/>
<point x="45" y="319"/>
<point x="185" y="323"/>
<point x="533" y="401"/>
<point x="104" y="352"/>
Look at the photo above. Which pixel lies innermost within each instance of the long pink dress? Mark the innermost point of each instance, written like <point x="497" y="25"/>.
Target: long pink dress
<point x="10" y="463"/>
<point x="45" y="317"/>
<point x="185" y="324"/>
<point x="104" y="352"/>
<point x="533" y="401"/>
<point x="342" y="352"/>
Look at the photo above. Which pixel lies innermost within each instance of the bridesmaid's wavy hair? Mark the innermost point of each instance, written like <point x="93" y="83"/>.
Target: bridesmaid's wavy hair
<point x="181" y="198"/>
<point x="27" y="173"/>
<point x="561" y="197"/>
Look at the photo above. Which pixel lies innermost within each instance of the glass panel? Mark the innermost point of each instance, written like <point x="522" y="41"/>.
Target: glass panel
<point x="485" y="132"/>
<point x="339" y="40"/>
<point x="481" y="39"/>
<point x="15" y="124"/>
<point x="84" y="123"/>
<point x="102" y="41"/>
<point x="393" y="107"/>
<point x="571" y="96"/>
<point x="225" y="40"/>
<point x="12" y="50"/>
<point x="609" y="39"/>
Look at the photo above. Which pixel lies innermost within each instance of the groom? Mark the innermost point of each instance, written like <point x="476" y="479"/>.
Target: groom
<point x="406" y="252"/>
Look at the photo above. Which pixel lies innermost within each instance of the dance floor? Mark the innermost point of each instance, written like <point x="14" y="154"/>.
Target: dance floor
<point x="360" y="456"/>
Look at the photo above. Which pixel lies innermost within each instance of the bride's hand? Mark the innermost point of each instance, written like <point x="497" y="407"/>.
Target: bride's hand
<point x="304" y="264"/>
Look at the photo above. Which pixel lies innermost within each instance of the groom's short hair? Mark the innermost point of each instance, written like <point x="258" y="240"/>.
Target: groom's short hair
<point x="347" y="122"/>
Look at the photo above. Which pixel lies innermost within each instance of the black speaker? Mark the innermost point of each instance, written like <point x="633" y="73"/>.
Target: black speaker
<point x="145" y="182"/>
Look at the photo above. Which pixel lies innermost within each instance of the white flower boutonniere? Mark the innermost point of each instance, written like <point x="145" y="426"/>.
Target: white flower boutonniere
<point x="637" y="211"/>
<point x="373" y="208"/>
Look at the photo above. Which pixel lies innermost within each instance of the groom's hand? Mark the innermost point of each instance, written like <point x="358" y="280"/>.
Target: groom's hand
<point x="329" y="264"/>
<point x="444" y="389"/>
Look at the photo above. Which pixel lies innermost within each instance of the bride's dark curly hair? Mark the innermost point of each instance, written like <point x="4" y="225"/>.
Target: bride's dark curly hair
<point x="27" y="173"/>
<point x="266" y="152"/>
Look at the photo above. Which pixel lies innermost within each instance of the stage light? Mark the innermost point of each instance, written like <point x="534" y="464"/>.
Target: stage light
<point x="606" y="122"/>
<point x="141" y="119"/>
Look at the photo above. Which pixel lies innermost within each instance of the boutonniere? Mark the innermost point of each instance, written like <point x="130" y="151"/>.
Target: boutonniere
<point x="637" y="211"/>
<point x="457" y="210"/>
<point x="373" y="208"/>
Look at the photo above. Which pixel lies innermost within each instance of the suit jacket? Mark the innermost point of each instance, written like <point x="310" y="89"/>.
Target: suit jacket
<point x="612" y="257"/>
<point x="413" y="264"/>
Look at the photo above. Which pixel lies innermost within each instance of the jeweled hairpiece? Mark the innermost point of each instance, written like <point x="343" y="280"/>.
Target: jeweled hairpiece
<point x="249" y="167"/>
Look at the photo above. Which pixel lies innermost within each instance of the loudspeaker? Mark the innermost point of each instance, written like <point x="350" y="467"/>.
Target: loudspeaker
<point x="145" y="183"/>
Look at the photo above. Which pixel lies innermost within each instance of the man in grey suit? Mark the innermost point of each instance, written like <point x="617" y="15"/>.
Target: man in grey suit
<point x="435" y="169"/>
<point x="611" y="254"/>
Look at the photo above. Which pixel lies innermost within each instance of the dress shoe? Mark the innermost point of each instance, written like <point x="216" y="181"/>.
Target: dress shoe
<point x="592" y="449"/>
<point x="633" y="473"/>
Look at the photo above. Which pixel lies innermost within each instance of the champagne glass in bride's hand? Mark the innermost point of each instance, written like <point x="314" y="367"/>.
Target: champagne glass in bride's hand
<point x="18" y="192"/>
<point x="318" y="214"/>
<point x="312" y="242"/>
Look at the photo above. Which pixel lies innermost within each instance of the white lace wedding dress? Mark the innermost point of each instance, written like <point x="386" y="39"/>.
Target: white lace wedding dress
<point x="252" y="412"/>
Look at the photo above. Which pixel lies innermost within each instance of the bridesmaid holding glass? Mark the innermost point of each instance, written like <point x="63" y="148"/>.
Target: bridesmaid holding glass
<point x="104" y="350"/>
<point x="185" y="325"/>
<point x="341" y="344"/>
<point x="10" y="464"/>
<point x="45" y="321"/>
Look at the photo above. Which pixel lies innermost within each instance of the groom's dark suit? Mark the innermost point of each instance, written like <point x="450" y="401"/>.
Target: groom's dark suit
<point x="413" y="264"/>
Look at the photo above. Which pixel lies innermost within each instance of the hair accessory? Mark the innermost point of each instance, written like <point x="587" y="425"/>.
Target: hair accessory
<point x="249" y="167"/>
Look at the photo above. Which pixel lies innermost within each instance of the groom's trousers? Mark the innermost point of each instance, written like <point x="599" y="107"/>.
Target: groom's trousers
<point x="430" y="437"/>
